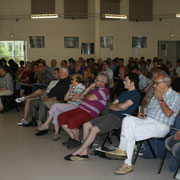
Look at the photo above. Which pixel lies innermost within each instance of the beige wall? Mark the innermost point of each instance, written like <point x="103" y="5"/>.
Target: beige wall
<point x="55" y="30"/>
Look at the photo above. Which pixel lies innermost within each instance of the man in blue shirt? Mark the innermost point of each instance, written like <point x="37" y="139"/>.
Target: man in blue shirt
<point x="126" y="103"/>
<point x="144" y="82"/>
<point x="161" y="113"/>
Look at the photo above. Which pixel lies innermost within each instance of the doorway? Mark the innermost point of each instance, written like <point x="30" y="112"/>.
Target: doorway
<point x="169" y="51"/>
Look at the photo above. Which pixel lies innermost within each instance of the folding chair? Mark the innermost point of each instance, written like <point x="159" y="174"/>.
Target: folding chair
<point x="164" y="156"/>
<point x="149" y="145"/>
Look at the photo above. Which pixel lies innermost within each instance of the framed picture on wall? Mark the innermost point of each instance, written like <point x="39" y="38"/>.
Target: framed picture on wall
<point x="139" y="42"/>
<point x="71" y="42"/>
<point x="36" y="41"/>
<point x="87" y="48"/>
<point x="106" y="42"/>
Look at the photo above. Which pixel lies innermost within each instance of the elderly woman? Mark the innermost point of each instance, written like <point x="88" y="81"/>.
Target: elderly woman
<point x="75" y="88"/>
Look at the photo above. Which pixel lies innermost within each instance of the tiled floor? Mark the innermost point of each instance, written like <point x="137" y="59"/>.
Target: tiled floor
<point x="24" y="156"/>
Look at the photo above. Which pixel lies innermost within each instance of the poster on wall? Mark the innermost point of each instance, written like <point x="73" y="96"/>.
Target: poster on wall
<point x="71" y="42"/>
<point x="139" y="42"/>
<point x="106" y="42"/>
<point x="36" y="41"/>
<point x="87" y="48"/>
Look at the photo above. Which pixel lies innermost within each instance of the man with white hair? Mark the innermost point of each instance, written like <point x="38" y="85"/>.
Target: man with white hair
<point x="161" y="112"/>
<point x="94" y="99"/>
<point x="55" y="95"/>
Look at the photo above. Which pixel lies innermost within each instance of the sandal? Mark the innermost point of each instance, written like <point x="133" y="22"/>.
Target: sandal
<point x="43" y="127"/>
<point x="55" y="137"/>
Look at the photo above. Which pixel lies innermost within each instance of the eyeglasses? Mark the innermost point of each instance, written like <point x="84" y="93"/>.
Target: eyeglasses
<point x="156" y="83"/>
<point x="97" y="80"/>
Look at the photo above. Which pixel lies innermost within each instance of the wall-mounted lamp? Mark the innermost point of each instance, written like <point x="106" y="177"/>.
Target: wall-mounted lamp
<point x="44" y="16"/>
<point x="178" y="15"/>
<point x="171" y="34"/>
<point x="115" y="16"/>
<point x="12" y="35"/>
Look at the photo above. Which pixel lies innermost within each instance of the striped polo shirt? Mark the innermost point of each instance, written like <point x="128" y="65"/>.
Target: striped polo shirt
<point x="96" y="106"/>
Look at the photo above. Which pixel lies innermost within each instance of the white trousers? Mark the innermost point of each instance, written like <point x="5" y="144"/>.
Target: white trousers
<point x="135" y="129"/>
<point x="4" y="93"/>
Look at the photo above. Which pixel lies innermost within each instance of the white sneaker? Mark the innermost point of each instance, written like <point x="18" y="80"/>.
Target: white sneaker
<point x="178" y="176"/>
<point x="20" y="100"/>
<point x="22" y="122"/>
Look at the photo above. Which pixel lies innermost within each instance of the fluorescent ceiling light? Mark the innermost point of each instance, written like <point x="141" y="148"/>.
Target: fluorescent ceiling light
<point x="178" y="15"/>
<point x="44" y="16"/>
<point x="115" y="16"/>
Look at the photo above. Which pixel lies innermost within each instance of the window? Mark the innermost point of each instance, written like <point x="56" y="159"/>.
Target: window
<point x="13" y="50"/>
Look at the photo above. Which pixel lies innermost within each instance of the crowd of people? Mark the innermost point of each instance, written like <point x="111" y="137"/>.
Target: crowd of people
<point x="75" y="95"/>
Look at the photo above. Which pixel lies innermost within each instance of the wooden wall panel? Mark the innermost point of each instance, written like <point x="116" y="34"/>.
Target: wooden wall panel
<point x="109" y="7"/>
<point x="140" y="10"/>
<point x="75" y="9"/>
<point x="42" y="6"/>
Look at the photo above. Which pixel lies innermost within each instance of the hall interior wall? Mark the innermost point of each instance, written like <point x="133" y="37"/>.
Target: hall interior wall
<point x="122" y="31"/>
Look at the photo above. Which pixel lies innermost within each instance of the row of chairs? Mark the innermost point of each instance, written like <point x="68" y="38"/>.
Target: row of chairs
<point x="116" y="132"/>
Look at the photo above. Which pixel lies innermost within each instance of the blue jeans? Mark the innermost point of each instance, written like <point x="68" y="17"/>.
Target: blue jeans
<point x="173" y="146"/>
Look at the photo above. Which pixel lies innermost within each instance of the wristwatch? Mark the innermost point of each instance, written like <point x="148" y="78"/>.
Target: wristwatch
<point x="160" y="101"/>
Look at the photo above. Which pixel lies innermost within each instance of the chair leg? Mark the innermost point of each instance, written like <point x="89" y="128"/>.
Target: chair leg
<point x="15" y="105"/>
<point x="162" y="161"/>
<point x="109" y="139"/>
<point x="176" y="170"/>
<point x="118" y="137"/>
<point x="152" y="151"/>
<point x="60" y="129"/>
<point x="140" y="144"/>
<point x="105" y="139"/>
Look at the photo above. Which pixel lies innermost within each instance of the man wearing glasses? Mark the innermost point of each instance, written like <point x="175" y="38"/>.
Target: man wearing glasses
<point x="94" y="99"/>
<point x="161" y="113"/>
<point x="126" y="103"/>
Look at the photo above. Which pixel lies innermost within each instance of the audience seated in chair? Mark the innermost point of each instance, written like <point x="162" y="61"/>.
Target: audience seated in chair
<point x="44" y="76"/>
<point x="95" y="97"/>
<point x="173" y="145"/>
<point x="6" y="85"/>
<point x="73" y="101"/>
<point x="126" y="103"/>
<point x="3" y="63"/>
<point x="161" y="113"/>
<point x="53" y="64"/>
<point x="24" y="78"/>
<point x="144" y="82"/>
<point x="14" y="67"/>
<point x="54" y="96"/>
<point x="40" y="93"/>
<point x="150" y="91"/>
<point x="106" y="70"/>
